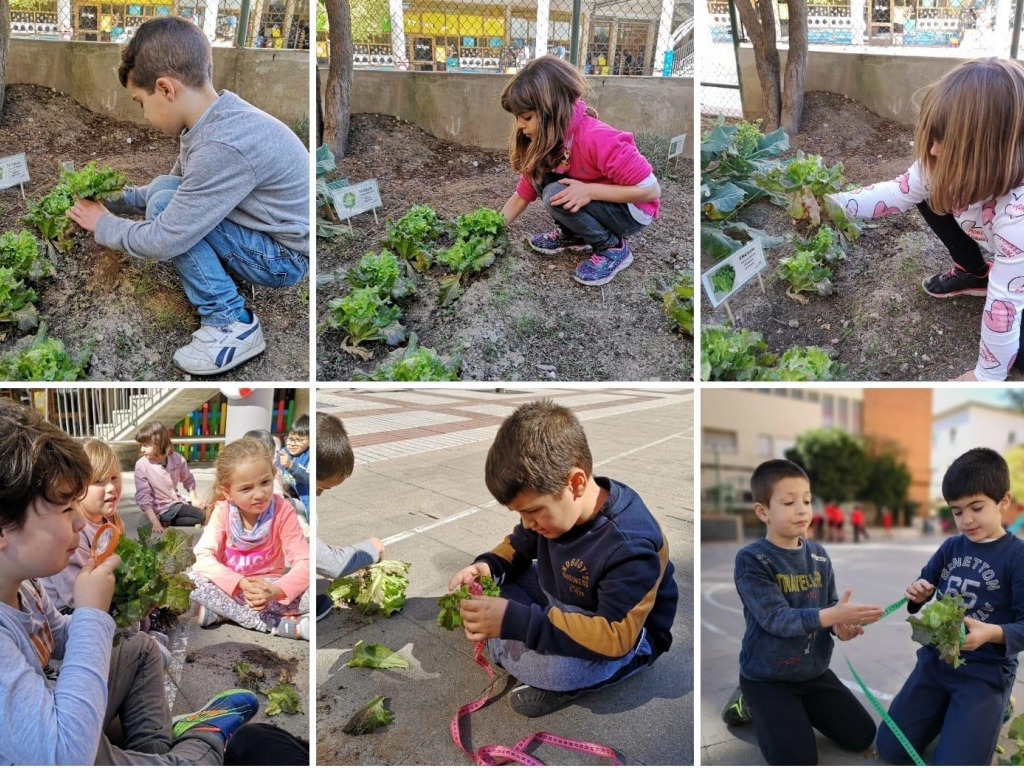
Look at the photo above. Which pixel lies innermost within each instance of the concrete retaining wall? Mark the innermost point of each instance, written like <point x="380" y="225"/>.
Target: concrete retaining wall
<point x="275" y="81"/>
<point x="885" y="84"/>
<point x="464" y="108"/>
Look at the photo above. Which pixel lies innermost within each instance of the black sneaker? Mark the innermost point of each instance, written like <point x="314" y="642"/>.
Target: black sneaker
<point x="736" y="712"/>
<point x="556" y="241"/>
<point x="533" y="702"/>
<point x="956" y="282"/>
<point x="324" y="605"/>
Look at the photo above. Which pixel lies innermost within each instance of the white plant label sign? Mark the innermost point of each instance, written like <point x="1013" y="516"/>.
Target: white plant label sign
<point x="13" y="171"/>
<point x="356" y="198"/>
<point x="747" y="263"/>
<point x="675" y="145"/>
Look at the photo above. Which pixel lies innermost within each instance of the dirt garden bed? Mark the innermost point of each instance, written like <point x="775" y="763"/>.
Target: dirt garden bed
<point x="133" y="313"/>
<point x="524" y="318"/>
<point x="879" y="322"/>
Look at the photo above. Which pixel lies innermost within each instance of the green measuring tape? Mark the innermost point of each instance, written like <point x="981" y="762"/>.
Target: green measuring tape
<point x="903" y="740"/>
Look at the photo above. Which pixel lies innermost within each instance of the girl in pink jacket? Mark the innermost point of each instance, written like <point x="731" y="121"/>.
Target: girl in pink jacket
<point x="240" y="572"/>
<point x="592" y="179"/>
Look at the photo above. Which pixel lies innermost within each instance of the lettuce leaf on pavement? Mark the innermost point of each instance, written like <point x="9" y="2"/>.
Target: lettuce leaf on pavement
<point x="378" y="588"/>
<point x="376" y="657"/>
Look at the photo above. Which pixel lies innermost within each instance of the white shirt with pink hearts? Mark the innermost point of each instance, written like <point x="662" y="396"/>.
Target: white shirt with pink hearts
<point x="998" y="228"/>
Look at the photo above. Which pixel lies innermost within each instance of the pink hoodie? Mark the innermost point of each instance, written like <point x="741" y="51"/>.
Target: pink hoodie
<point x="599" y="154"/>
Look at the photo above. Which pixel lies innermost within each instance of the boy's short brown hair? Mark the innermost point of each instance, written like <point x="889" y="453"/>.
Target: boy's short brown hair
<point x="167" y="47"/>
<point x="154" y="433"/>
<point x="767" y="476"/>
<point x="334" y="457"/>
<point x="36" y="459"/>
<point x="535" y="449"/>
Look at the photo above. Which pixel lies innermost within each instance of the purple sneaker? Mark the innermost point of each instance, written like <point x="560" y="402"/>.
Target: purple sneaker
<point x="604" y="265"/>
<point x="556" y="241"/>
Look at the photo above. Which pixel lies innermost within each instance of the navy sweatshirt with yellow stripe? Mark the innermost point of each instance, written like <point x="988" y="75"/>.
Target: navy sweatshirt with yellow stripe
<point x="605" y="580"/>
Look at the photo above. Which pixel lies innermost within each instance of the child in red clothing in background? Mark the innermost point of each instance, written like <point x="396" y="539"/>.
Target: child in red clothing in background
<point x="240" y="569"/>
<point x="592" y="179"/>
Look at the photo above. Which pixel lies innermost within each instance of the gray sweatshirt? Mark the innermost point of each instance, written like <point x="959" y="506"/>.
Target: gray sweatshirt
<point x="42" y="722"/>
<point x="237" y="163"/>
<point x="332" y="562"/>
<point x="783" y="592"/>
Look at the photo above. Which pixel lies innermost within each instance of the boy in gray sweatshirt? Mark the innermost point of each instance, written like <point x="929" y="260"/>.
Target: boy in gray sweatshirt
<point x="792" y="610"/>
<point x="235" y="202"/>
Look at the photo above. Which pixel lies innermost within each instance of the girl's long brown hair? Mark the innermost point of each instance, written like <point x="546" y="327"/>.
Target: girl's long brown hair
<point x="976" y="112"/>
<point x="550" y="88"/>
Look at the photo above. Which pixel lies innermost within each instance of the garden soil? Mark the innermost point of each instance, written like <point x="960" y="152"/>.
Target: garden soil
<point x="133" y="313"/>
<point x="524" y="318"/>
<point x="879" y="322"/>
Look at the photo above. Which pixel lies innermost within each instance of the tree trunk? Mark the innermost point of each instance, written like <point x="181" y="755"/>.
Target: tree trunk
<point x="796" y="65"/>
<point x="5" y="41"/>
<point x="319" y="109"/>
<point x="759" y="22"/>
<point x="339" y="77"/>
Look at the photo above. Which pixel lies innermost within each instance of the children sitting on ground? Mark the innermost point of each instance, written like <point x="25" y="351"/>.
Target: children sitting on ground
<point x="42" y="473"/>
<point x="235" y="202"/>
<point x="587" y="591"/>
<point x="158" y="473"/>
<point x="792" y="610"/>
<point x="334" y="463"/>
<point x="240" y="572"/>
<point x="964" y="707"/>
<point x="294" y="463"/>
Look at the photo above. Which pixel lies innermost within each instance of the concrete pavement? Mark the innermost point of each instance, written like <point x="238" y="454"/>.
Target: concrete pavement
<point x="418" y="484"/>
<point x="878" y="572"/>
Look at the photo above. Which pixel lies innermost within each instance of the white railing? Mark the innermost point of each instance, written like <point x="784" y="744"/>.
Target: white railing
<point x="101" y="412"/>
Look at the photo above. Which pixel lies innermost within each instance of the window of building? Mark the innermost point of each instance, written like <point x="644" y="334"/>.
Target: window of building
<point x="796" y="394"/>
<point x="844" y="412"/>
<point x="1012" y="439"/>
<point x="828" y="416"/>
<point x="764" y="445"/>
<point x="720" y="440"/>
<point x="783" y="444"/>
<point x="855" y="417"/>
<point x="952" y="436"/>
<point x="812" y="396"/>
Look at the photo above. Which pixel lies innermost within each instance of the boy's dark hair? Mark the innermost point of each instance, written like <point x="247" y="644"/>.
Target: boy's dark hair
<point x="300" y="426"/>
<point x="334" y="457"/>
<point x="154" y="433"/>
<point x="36" y="459"/>
<point x="167" y="47"/>
<point x="980" y="470"/>
<point x="768" y="474"/>
<point x="535" y="449"/>
<point x="264" y="437"/>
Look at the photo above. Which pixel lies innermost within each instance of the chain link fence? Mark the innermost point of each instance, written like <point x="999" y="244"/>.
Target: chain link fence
<point x="602" y="37"/>
<point x="955" y="28"/>
<point x="227" y="23"/>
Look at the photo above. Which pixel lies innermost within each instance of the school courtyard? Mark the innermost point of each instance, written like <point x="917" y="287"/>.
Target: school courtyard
<point x="878" y="571"/>
<point x="418" y="485"/>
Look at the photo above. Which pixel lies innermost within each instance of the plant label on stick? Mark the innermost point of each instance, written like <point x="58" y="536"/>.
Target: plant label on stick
<point x="354" y="199"/>
<point x="729" y="275"/>
<point x="675" y="145"/>
<point x="14" y="172"/>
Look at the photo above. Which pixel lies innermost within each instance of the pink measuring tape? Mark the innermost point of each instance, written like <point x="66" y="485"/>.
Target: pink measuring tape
<point x="495" y="754"/>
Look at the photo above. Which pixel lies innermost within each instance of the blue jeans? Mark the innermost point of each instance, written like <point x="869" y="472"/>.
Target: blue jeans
<point x="598" y="223"/>
<point x="549" y="671"/>
<point x="204" y="268"/>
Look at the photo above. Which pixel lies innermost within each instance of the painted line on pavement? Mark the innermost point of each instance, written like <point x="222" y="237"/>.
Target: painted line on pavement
<point x="473" y="510"/>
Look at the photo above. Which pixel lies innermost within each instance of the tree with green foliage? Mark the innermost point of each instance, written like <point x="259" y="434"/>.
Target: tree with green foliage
<point x="888" y="480"/>
<point x="835" y="462"/>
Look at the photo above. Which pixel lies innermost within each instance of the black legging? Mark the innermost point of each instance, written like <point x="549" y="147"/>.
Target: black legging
<point x="184" y="515"/>
<point x="263" y="744"/>
<point x="965" y="253"/>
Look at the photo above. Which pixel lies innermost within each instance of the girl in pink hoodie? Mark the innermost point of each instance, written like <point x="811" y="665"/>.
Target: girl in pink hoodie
<point x="591" y="177"/>
<point x="240" y="572"/>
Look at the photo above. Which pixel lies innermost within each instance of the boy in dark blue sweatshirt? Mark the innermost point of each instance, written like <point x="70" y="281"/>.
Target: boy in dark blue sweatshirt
<point x="792" y="610"/>
<point x="587" y="594"/>
<point x="984" y="564"/>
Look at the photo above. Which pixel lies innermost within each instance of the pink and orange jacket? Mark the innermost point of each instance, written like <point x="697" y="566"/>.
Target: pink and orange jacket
<point x="599" y="154"/>
<point x="219" y="561"/>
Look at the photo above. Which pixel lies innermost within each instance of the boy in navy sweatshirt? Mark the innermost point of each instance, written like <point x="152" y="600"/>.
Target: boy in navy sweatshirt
<point x="792" y="610"/>
<point x="587" y="594"/>
<point x="964" y="707"/>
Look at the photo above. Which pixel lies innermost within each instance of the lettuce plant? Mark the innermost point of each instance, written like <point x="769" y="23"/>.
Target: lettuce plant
<point x="364" y="316"/>
<point x="152" y="574"/>
<point x="378" y="588"/>
<point x="449" y="617"/>
<point x="464" y="258"/>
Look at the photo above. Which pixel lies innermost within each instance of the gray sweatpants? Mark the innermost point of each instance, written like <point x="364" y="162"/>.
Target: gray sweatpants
<point x="135" y="694"/>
